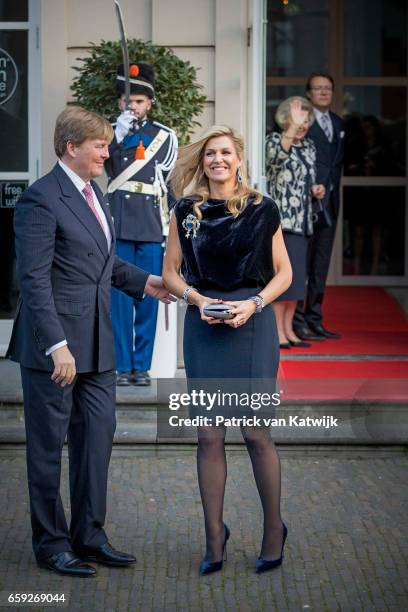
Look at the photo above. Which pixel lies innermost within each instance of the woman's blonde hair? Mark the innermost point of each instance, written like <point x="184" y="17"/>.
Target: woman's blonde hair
<point x="189" y="179"/>
<point x="283" y="111"/>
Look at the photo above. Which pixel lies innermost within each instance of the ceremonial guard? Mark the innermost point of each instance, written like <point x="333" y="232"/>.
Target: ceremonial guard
<point x="142" y="155"/>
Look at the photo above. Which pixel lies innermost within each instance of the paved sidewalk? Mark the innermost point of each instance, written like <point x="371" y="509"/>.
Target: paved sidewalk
<point x="347" y="547"/>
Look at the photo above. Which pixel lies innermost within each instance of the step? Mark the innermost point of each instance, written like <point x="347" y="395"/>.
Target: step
<point x="148" y="423"/>
<point x="137" y="410"/>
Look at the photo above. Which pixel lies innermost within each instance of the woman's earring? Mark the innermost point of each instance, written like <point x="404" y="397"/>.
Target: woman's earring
<point x="239" y="175"/>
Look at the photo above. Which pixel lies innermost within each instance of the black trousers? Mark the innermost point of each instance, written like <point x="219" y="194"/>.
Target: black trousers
<point x="318" y="262"/>
<point x="84" y="412"/>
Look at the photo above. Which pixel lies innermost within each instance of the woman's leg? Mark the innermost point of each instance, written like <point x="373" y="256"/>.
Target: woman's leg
<point x="280" y="309"/>
<point x="266" y="467"/>
<point x="288" y="321"/>
<point x="212" y="475"/>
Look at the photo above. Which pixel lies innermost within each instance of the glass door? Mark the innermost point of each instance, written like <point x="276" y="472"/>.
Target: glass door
<point x="372" y="246"/>
<point x="363" y="45"/>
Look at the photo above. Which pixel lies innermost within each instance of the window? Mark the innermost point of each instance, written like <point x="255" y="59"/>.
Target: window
<point x="19" y="151"/>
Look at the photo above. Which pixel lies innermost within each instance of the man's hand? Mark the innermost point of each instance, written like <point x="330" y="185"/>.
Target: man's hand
<point x="124" y="123"/>
<point x="64" y="366"/>
<point x="155" y="287"/>
<point x="318" y="191"/>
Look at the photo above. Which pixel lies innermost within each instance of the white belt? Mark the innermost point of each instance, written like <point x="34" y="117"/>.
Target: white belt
<point x="138" y="187"/>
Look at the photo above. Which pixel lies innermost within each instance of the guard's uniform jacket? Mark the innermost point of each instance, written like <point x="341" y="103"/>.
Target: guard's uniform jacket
<point x="139" y="204"/>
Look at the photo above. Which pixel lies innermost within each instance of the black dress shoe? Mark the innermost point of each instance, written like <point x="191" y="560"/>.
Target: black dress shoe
<point x="264" y="565"/>
<point x="305" y="333"/>
<point x="284" y="345"/>
<point x="106" y="555"/>
<point x="67" y="563"/>
<point x="123" y="379"/>
<point x="141" y="378"/>
<point x="319" y="329"/>
<point x="299" y="344"/>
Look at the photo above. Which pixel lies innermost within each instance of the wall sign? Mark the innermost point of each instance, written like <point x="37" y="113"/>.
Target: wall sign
<point x="8" y="76"/>
<point x="10" y="191"/>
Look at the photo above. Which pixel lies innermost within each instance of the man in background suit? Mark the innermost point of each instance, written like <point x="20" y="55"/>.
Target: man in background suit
<point x="327" y="132"/>
<point x="62" y="338"/>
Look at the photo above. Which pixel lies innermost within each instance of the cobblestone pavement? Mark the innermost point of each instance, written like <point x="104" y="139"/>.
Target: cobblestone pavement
<point x="346" y="549"/>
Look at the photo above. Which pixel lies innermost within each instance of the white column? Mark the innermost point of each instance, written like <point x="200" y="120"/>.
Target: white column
<point x="256" y="93"/>
<point x="164" y="363"/>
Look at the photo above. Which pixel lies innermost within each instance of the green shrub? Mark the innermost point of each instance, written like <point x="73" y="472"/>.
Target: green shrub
<point x="178" y="97"/>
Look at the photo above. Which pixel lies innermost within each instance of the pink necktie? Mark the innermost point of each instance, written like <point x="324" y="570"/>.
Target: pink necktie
<point x="87" y="191"/>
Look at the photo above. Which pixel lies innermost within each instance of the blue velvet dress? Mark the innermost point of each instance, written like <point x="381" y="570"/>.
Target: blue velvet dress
<point x="230" y="258"/>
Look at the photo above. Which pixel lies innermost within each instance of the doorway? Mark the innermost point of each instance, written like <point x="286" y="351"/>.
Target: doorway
<point x="363" y="45"/>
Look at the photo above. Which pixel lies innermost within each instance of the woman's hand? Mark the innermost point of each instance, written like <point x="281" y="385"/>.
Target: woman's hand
<point x="318" y="191"/>
<point x="297" y="115"/>
<point x="201" y="301"/>
<point x="243" y="310"/>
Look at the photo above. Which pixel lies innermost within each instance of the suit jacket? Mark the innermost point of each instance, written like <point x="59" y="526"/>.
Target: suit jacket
<point x="137" y="215"/>
<point x="65" y="274"/>
<point x="329" y="167"/>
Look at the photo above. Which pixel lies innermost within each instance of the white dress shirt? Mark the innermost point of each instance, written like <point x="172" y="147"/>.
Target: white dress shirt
<point x="80" y="184"/>
<point x="318" y="114"/>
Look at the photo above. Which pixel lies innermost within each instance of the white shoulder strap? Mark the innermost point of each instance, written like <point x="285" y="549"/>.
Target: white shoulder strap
<point x="138" y="164"/>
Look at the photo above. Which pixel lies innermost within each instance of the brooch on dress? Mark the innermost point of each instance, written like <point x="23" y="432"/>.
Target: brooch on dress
<point x="191" y="225"/>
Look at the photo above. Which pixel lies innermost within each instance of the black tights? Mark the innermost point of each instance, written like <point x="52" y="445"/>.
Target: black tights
<point x="212" y="475"/>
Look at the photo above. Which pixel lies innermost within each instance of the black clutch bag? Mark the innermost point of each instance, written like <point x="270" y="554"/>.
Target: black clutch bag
<point x="321" y="215"/>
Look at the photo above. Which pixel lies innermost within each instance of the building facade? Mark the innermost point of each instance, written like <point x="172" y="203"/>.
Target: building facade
<point x="250" y="54"/>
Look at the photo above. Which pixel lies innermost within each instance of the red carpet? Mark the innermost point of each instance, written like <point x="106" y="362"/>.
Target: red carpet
<point x="345" y="369"/>
<point x="363" y="309"/>
<point x="372" y="324"/>
<point x="345" y="380"/>
<point x="370" y="320"/>
<point x="357" y="343"/>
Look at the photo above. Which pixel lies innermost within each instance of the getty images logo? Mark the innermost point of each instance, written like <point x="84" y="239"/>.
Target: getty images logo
<point x="8" y="76"/>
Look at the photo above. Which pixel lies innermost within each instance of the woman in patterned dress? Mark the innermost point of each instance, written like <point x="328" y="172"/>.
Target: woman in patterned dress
<point x="291" y="171"/>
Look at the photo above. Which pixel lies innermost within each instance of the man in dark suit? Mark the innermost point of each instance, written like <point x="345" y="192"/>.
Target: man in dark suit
<point x="327" y="132"/>
<point x="62" y="338"/>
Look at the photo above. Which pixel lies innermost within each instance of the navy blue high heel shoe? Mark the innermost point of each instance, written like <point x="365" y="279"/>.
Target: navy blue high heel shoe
<point x="263" y="565"/>
<point x="208" y="567"/>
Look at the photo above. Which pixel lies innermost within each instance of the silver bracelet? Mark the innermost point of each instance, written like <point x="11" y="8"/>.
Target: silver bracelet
<point x="186" y="291"/>
<point x="259" y="302"/>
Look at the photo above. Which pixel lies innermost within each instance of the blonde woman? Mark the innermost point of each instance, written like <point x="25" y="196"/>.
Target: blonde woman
<point x="291" y="170"/>
<point x="226" y="240"/>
